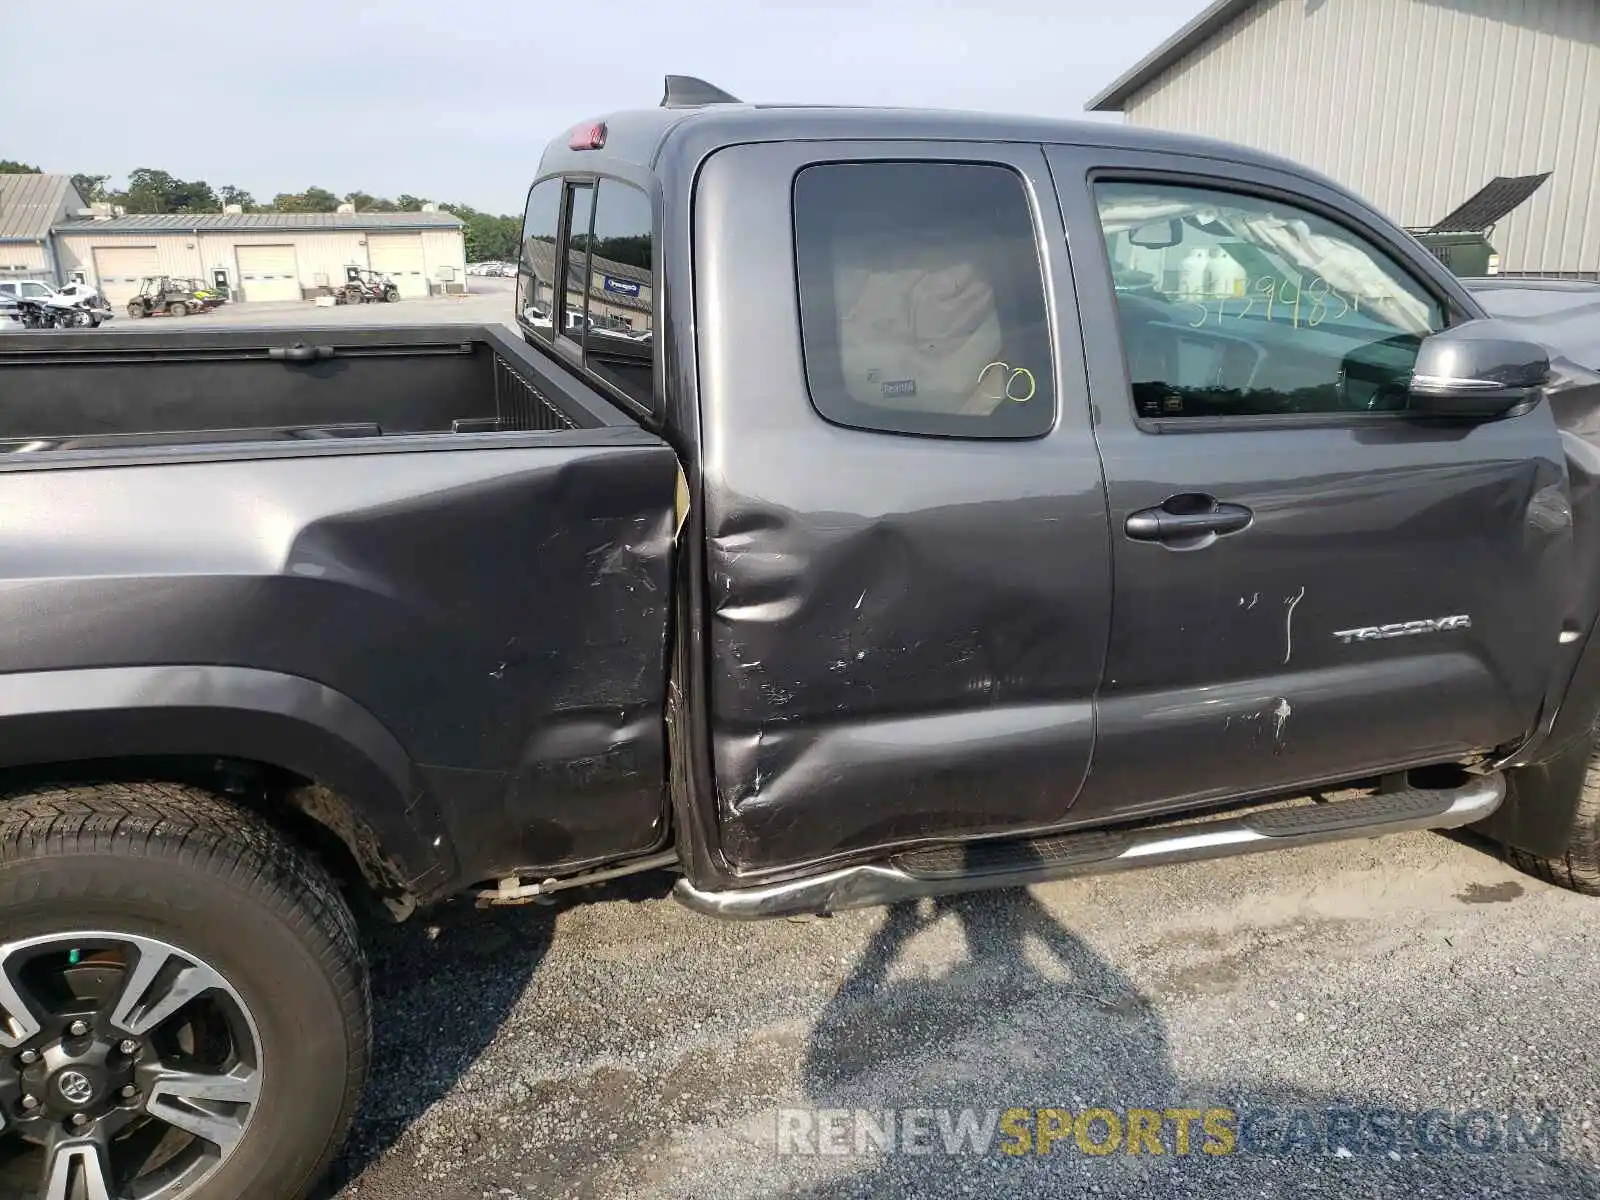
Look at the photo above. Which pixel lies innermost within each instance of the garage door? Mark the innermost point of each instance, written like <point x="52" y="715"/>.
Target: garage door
<point x="268" y="273"/>
<point x="399" y="256"/>
<point x="120" y="268"/>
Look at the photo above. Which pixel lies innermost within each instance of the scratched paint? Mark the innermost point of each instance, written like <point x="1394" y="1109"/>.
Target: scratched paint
<point x="1288" y="623"/>
<point x="1280" y="721"/>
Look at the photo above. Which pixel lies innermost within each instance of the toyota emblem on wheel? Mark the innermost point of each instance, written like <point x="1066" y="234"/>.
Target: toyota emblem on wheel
<point x="75" y="1087"/>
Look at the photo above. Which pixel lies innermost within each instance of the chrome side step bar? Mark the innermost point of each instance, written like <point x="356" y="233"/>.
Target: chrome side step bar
<point x="944" y="870"/>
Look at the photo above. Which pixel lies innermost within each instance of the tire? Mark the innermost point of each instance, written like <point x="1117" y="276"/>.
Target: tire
<point x="391" y="295"/>
<point x="1579" y="868"/>
<point x="137" y="310"/>
<point x="177" y="309"/>
<point x="173" y="867"/>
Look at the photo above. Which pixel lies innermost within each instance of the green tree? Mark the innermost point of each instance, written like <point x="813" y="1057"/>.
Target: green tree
<point x="488" y="238"/>
<point x="149" y="191"/>
<point x="236" y="195"/>
<point x="408" y="203"/>
<point x="91" y="187"/>
<point x="12" y="167"/>
<point x="153" y="191"/>
<point x="194" y="196"/>
<point x="633" y="250"/>
<point x="312" y="200"/>
<point x="320" y="200"/>
<point x="366" y="202"/>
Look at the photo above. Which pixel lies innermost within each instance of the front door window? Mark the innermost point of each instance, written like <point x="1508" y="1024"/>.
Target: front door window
<point x="1238" y="305"/>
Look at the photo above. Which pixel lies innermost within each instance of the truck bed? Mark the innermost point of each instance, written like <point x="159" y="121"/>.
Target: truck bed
<point x="432" y="531"/>
<point x="91" y="391"/>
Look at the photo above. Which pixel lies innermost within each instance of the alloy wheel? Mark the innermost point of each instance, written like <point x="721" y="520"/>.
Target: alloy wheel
<point x="130" y="1069"/>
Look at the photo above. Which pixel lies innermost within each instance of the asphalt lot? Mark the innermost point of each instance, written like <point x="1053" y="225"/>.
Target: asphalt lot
<point x="621" y="1047"/>
<point x="489" y="301"/>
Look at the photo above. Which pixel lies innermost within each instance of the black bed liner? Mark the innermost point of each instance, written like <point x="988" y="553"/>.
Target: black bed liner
<point x="76" y="391"/>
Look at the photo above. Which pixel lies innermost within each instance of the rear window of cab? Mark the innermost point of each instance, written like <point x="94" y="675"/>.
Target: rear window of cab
<point x="922" y="300"/>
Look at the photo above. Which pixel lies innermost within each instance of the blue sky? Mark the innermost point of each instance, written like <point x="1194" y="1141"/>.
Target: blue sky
<point x="455" y="99"/>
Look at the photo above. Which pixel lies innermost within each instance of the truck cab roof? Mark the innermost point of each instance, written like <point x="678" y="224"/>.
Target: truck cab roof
<point x="649" y="138"/>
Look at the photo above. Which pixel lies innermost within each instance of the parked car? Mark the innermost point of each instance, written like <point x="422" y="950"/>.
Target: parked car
<point x="77" y="305"/>
<point x="25" y="289"/>
<point x="814" y="608"/>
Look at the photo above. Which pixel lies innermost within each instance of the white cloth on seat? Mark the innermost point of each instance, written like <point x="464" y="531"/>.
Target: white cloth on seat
<point x="917" y="325"/>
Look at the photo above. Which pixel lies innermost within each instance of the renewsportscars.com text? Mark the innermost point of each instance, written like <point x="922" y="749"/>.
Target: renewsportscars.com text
<point x="1100" y="1131"/>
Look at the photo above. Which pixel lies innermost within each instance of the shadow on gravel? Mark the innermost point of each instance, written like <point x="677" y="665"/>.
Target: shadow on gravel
<point x="443" y="985"/>
<point x="1033" y="1005"/>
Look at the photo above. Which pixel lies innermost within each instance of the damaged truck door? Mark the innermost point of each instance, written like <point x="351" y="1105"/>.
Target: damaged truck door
<point x="904" y="510"/>
<point x="1269" y="488"/>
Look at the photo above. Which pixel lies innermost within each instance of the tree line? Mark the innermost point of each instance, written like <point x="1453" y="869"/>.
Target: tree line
<point x="148" y="190"/>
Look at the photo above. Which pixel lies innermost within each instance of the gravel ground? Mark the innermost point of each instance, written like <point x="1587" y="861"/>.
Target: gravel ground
<point x="624" y="1047"/>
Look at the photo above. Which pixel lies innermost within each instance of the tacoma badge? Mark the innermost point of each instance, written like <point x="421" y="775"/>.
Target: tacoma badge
<point x="1374" y="633"/>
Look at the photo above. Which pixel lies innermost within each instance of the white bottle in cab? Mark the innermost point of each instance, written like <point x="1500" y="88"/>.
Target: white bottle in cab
<point x="1224" y="276"/>
<point x="1192" y="273"/>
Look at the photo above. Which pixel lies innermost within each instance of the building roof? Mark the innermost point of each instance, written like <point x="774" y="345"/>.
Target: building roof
<point x="1202" y="28"/>
<point x="29" y="205"/>
<point x="248" y="222"/>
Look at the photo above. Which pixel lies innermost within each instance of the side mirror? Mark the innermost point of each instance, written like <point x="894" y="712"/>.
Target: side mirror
<point x="1157" y="235"/>
<point x="1476" y="371"/>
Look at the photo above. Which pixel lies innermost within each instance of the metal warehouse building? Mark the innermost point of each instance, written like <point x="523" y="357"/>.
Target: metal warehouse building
<point x="48" y="233"/>
<point x="1415" y="104"/>
<point x="30" y="206"/>
<point x="263" y="256"/>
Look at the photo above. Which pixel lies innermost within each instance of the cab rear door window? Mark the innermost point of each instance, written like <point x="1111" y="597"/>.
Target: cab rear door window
<point x="922" y="301"/>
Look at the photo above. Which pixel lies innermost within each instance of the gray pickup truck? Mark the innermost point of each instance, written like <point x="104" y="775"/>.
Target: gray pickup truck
<point x="874" y="505"/>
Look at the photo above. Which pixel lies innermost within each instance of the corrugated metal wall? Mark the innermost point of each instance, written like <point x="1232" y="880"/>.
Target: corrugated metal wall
<point x="173" y="256"/>
<point x="445" y="248"/>
<point x="24" y="260"/>
<point x="320" y="257"/>
<point x="1415" y="104"/>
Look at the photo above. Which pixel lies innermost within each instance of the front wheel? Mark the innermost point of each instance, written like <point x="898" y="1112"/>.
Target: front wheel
<point x="183" y="1003"/>
<point x="137" y="310"/>
<point x="391" y="294"/>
